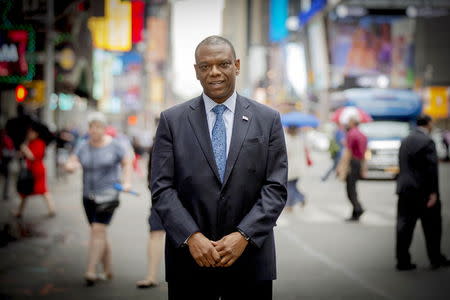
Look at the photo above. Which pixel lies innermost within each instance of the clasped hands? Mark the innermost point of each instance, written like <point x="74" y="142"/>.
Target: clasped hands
<point x="222" y="253"/>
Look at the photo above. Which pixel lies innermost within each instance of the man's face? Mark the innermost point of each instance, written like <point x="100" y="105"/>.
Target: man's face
<point x="216" y="69"/>
<point x="430" y="126"/>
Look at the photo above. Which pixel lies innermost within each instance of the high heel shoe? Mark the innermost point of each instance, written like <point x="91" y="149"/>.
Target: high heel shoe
<point x="90" y="279"/>
<point x="105" y="276"/>
<point x="146" y="284"/>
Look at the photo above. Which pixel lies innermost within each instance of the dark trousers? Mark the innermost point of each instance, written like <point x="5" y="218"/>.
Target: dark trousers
<point x="333" y="167"/>
<point x="409" y="210"/>
<point x="218" y="289"/>
<point x="353" y="175"/>
<point x="4" y="172"/>
<point x="294" y="195"/>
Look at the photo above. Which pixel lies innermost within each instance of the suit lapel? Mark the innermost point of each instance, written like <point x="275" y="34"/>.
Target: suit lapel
<point x="199" y="123"/>
<point x="241" y="124"/>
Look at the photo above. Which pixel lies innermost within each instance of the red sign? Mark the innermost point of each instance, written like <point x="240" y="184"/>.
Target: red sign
<point x="13" y="48"/>
<point x="137" y="20"/>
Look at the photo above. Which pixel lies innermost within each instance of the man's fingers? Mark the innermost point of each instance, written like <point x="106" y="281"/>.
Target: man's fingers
<point x="216" y="256"/>
<point x="230" y="262"/>
<point x="225" y="260"/>
<point x="219" y="246"/>
<point x="199" y="262"/>
<point x="211" y="261"/>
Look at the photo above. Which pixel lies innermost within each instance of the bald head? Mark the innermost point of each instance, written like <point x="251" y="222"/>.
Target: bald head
<point x="215" y="40"/>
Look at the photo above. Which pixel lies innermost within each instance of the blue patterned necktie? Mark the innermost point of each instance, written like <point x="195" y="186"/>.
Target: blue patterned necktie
<point x="219" y="139"/>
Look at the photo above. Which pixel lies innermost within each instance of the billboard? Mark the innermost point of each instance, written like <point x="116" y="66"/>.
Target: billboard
<point x="373" y="46"/>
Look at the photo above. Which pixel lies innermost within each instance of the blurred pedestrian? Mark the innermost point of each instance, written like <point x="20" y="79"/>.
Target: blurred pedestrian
<point x="6" y="156"/>
<point x="219" y="172"/>
<point x="155" y="246"/>
<point x="33" y="150"/>
<point x="418" y="196"/>
<point x="296" y="152"/>
<point x="446" y="142"/>
<point x="64" y="142"/>
<point x="17" y="127"/>
<point x="336" y="149"/>
<point x="138" y="151"/>
<point x="155" y="250"/>
<point x="351" y="165"/>
<point x="100" y="157"/>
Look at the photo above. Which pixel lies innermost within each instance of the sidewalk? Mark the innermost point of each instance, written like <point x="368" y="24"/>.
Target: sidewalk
<point x="49" y="256"/>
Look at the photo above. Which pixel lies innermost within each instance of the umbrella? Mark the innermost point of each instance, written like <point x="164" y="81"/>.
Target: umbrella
<point x="298" y="119"/>
<point x="344" y="114"/>
<point x="44" y="132"/>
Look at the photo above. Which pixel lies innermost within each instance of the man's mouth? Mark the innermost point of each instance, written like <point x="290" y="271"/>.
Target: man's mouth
<point x="216" y="83"/>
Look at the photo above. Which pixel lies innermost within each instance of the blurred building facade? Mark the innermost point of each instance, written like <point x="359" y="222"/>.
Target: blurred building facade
<point x="118" y="56"/>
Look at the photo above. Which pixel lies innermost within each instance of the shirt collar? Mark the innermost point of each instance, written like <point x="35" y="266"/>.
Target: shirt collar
<point x="423" y="130"/>
<point x="230" y="103"/>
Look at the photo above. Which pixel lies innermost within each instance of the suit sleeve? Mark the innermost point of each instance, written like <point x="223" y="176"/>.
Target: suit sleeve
<point x="261" y="219"/>
<point x="177" y="221"/>
<point x="431" y="168"/>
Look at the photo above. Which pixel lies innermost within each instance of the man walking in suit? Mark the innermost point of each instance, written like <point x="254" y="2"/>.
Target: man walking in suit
<point x="219" y="173"/>
<point x="418" y="196"/>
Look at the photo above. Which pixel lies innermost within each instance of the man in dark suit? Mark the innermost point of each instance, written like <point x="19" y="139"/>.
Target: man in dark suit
<point x="219" y="172"/>
<point x="418" y="196"/>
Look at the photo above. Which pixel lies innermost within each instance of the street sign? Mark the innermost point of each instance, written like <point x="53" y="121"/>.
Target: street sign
<point x="36" y="92"/>
<point x="16" y="43"/>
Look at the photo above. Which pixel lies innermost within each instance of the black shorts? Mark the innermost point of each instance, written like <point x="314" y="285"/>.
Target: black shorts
<point x="90" y="207"/>
<point x="154" y="221"/>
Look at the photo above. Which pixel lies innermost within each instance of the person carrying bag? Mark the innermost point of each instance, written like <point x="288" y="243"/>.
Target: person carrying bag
<point x="102" y="159"/>
<point x="25" y="180"/>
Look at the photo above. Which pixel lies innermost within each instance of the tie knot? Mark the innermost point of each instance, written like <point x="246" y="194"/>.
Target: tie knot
<point x="219" y="109"/>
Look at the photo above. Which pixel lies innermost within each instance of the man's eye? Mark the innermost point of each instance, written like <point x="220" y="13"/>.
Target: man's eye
<point x="225" y="65"/>
<point x="204" y="67"/>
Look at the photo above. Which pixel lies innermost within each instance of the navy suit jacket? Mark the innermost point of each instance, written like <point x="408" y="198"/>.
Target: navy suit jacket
<point x="189" y="197"/>
<point x="418" y="162"/>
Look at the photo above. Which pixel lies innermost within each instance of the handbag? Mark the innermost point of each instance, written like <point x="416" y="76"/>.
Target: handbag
<point x="107" y="207"/>
<point x="106" y="201"/>
<point x="309" y="161"/>
<point x="25" y="180"/>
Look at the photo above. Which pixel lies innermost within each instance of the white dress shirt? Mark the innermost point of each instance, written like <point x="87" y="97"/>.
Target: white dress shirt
<point x="228" y="115"/>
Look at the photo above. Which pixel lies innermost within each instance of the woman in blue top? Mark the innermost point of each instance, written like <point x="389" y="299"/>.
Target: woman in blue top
<point x="101" y="158"/>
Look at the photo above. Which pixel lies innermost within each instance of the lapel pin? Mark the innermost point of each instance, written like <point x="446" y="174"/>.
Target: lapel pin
<point x="245" y="118"/>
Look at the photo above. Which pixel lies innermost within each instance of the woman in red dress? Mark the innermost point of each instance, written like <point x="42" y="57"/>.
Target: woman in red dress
<point x="33" y="149"/>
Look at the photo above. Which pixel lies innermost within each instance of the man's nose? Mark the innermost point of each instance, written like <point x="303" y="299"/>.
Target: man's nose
<point x="214" y="71"/>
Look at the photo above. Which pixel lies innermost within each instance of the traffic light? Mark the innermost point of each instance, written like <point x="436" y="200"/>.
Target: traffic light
<point x="21" y="93"/>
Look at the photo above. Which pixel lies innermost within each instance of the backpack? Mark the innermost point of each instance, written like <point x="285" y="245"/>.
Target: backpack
<point x="334" y="148"/>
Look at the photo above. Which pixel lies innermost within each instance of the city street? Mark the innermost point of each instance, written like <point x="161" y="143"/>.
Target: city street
<point x="319" y="255"/>
<point x="211" y="85"/>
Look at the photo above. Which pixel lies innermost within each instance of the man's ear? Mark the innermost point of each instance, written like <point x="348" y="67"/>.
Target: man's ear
<point x="237" y="64"/>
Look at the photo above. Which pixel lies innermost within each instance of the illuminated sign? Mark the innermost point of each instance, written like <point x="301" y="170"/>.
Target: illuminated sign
<point x="113" y="32"/>
<point x="137" y="23"/>
<point x="15" y="44"/>
<point x="277" y="20"/>
<point x="437" y="102"/>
